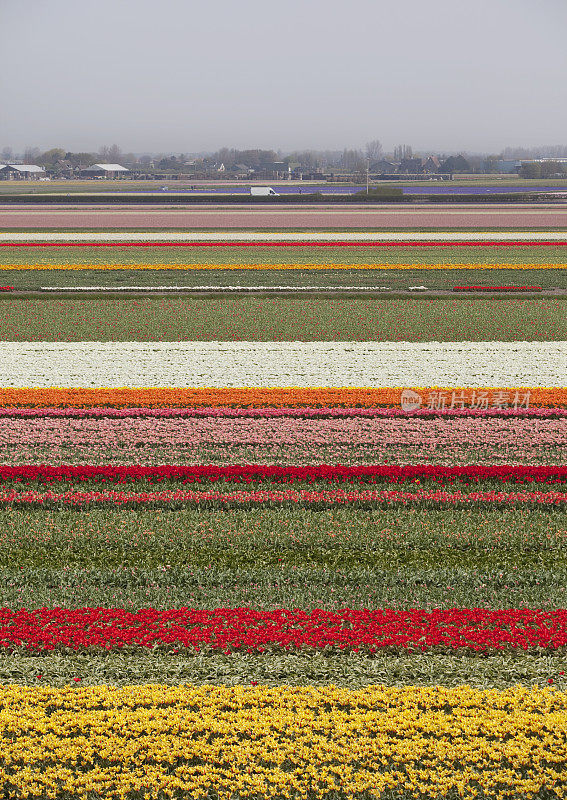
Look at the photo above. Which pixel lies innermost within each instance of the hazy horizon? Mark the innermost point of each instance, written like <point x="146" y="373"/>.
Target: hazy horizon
<point x="192" y="76"/>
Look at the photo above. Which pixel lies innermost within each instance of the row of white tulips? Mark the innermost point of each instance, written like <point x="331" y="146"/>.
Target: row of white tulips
<point x="231" y="364"/>
<point x="220" y="289"/>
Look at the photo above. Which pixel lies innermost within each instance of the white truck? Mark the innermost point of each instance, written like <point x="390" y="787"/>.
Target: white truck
<point x="263" y="191"/>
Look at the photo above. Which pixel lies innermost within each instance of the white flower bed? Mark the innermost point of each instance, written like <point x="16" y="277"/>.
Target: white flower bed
<point x="216" y="288"/>
<point x="96" y="364"/>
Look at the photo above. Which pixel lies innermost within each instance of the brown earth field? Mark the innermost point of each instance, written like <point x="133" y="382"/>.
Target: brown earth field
<point x="289" y="216"/>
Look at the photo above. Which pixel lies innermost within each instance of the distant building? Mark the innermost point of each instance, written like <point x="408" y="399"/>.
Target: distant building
<point x="383" y="167"/>
<point x="275" y="170"/>
<point x="542" y="161"/>
<point x="431" y="164"/>
<point x="411" y="166"/>
<point x="506" y="166"/>
<point x="104" y="171"/>
<point x="20" y="172"/>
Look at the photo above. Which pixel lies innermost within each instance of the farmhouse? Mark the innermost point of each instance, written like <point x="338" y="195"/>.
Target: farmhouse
<point x="20" y="172"/>
<point x="103" y="171"/>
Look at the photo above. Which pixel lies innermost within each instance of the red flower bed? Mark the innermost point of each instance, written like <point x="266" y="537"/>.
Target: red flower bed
<point x="247" y="473"/>
<point x="6" y="288"/>
<point x="497" y="289"/>
<point x="483" y="243"/>
<point x="369" y="498"/>
<point x="248" y="630"/>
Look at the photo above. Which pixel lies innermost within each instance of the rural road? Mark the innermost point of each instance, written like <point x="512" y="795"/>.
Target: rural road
<point x="289" y="216"/>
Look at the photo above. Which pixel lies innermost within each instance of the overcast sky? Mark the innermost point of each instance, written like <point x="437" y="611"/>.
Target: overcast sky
<point x="194" y="75"/>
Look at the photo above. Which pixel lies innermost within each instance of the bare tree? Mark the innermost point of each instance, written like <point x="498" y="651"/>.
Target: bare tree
<point x="403" y="151"/>
<point x="374" y="150"/>
<point x="31" y="154"/>
<point x="114" y="154"/>
<point x="110" y="154"/>
<point x="353" y="160"/>
<point x="7" y="155"/>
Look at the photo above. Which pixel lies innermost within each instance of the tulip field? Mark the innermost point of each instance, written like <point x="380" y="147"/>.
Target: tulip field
<point x="397" y="265"/>
<point x="293" y="547"/>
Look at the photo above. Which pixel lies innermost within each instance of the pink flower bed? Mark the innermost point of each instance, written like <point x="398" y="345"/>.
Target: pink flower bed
<point x="286" y="440"/>
<point x="288" y="497"/>
<point x="267" y="412"/>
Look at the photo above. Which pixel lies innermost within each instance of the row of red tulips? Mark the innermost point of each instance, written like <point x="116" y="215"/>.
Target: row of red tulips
<point x="248" y="473"/>
<point x="497" y="289"/>
<point x="249" y="630"/>
<point x="288" y="497"/>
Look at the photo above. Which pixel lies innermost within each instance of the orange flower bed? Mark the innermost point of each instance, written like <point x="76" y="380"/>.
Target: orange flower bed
<point x="289" y="397"/>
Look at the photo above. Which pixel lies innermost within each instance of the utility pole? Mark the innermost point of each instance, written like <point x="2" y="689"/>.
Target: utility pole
<point x="367" y="174"/>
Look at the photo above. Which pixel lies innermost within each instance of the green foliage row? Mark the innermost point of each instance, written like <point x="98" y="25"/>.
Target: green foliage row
<point x="351" y="670"/>
<point x="385" y="541"/>
<point x="395" y="279"/>
<point x="282" y="318"/>
<point x="287" y="586"/>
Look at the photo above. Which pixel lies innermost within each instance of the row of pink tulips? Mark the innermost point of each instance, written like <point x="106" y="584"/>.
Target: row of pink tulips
<point x="145" y="440"/>
<point x="273" y="497"/>
<point x="279" y="412"/>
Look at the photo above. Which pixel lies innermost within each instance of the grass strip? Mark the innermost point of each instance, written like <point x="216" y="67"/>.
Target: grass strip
<point x="238" y="318"/>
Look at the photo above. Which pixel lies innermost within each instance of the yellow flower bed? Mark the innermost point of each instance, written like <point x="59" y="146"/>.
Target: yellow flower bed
<point x="250" y="742"/>
<point x="281" y="266"/>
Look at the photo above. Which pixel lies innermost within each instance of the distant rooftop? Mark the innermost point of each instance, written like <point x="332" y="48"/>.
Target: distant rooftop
<point x="23" y="167"/>
<point x="106" y="168"/>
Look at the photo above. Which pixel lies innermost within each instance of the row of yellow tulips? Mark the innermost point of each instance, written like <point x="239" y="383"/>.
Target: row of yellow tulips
<point x="262" y="266"/>
<point x="249" y="742"/>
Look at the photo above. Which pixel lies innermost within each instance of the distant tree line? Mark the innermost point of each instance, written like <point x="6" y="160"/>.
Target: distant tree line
<point x="543" y="169"/>
<point x="263" y="162"/>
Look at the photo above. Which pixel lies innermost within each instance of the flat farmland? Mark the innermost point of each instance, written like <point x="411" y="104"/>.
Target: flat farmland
<point x="257" y="318"/>
<point x="257" y="217"/>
